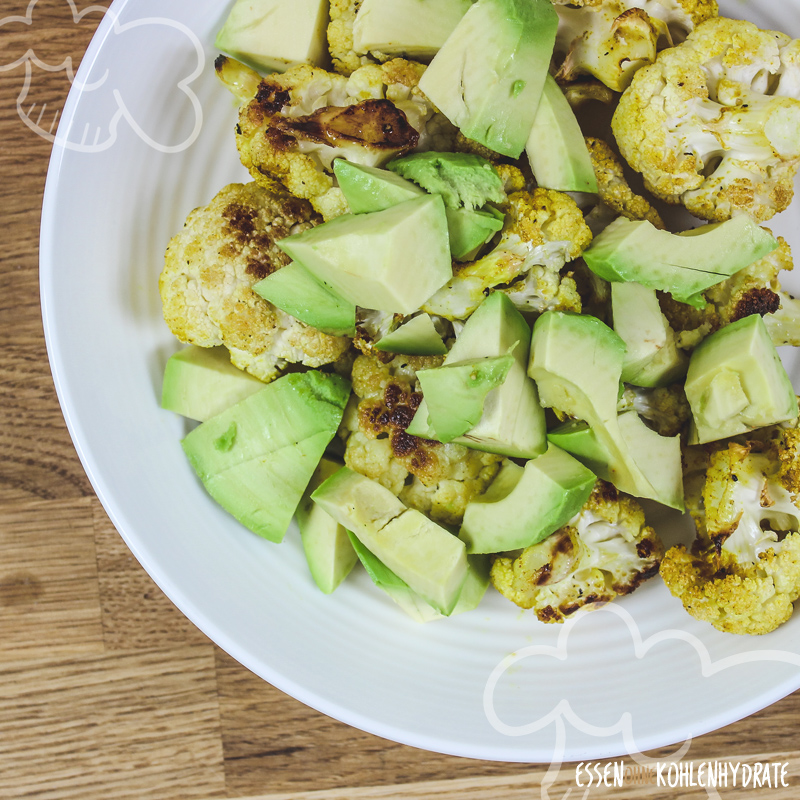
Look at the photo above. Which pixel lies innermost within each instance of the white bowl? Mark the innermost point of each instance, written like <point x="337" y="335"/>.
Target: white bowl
<point x="146" y="136"/>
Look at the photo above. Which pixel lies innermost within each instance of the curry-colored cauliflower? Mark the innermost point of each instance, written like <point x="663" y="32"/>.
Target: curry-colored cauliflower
<point x="714" y="123"/>
<point x="340" y="37"/>
<point x="293" y="125"/>
<point x="211" y="266"/>
<point x="543" y="230"/>
<point x="743" y="572"/>
<point x="437" y="479"/>
<point x="612" y="39"/>
<point x="756" y="289"/>
<point x="665" y="409"/>
<point x="605" y="551"/>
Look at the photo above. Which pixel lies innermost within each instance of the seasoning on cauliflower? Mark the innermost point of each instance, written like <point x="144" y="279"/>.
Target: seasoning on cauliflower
<point x="211" y="266"/>
<point x="714" y="123"/>
<point x="605" y="551"/>
<point x="436" y="479"/>
<point x="612" y="39"/>
<point x="665" y="409"/>
<point x="743" y="572"/>
<point x="543" y="230"/>
<point x="753" y="290"/>
<point x="293" y="125"/>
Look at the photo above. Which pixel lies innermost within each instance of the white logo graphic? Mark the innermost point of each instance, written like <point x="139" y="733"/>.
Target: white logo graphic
<point x="109" y="106"/>
<point x="563" y="714"/>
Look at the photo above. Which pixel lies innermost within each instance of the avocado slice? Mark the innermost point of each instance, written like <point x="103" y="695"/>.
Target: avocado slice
<point x="417" y="337"/>
<point x="488" y="76"/>
<point x="326" y="543"/>
<point x="415" y="29"/>
<point x="579" y="440"/>
<point x="652" y="357"/>
<point x="274" y="34"/>
<point x="576" y="361"/>
<point x="556" y="149"/>
<point x="463" y="180"/>
<point x="427" y="557"/>
<point x="369" y="189"/>
<point x="257" y="457"/>
<point x="455" y="392"/>
<point x="512" y="423"/>
<point x="296" y="291"/>
<point x="200" y="382"/>
<point x="391" y="260"/>
<point x="683" y="264"/>
<point x="470" y="230"/>
<point x="736" y="382"/>
<point x="524" y="505"/>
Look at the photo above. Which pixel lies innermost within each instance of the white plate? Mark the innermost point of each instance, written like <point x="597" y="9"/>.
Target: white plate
<point x="148" y="137"/>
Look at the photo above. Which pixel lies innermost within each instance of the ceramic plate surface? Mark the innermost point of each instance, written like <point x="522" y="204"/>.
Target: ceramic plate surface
<point x="145" y="137"/>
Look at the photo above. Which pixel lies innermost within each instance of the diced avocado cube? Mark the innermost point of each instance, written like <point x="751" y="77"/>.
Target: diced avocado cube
<point x="524" y="505"/>
<point x="257" y="457"/>
<point x="326" y="543"/>
<point x="470" y="230"/>
<point x="683" y="264"/>
<point x="652" y="357"/>
<point x="296" y="291"/>
<point x="200" y="382"/>
<point x="417" y="337"/>
<point x="736" y="382"/>
<point x="412" y="28"/>
<point x="463" y="180"/>
<point x="579" y="440"/>
<point x="391" y="260"/>
<point x="424" y="555"/>
<point x="369" y="189"/>
<point x="274" y="34"/>
<point x="556" y="148"/>
<point x="455" y="393"/>
<point x="488" y="76"/>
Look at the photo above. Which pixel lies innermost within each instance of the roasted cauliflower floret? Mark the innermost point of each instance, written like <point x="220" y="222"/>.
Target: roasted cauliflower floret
<point x="293" y="125"/>
<point x="437" y="479"/>
<point x="714" y="123"/>
<point x="211" y="266"/>
<point x="743" y="572"/>
<point x="605" y="551"/>
<point x="340" y="37"/>
<point x="756" y="289"/>
<point x="665" y="409"/>
<point x="543" y="230"/>
<point x="612" y="39"/>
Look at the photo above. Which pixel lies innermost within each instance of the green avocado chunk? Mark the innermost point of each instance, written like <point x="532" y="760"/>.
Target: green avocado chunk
<point x="415" y="29"/>
<point x="576" y="361"/>
<point x="652" y="357"/>
<point x="556" y="148"/>
<point x="488" y="76"/>
<point x="424" y="555"/>
<point x="463" y="180"/>
<point x="391" y="260"/>
<point x="683" y="264"/>
<point x="200" y="382"/>
<point x="273" y="34"/>
<point x="369" y="189"/>
<point x="736" y="382"/>
<point x="417" y="337"/>
<point x="455" y="392"/>
<point x="296" y="291"/>
<point x="470" y="230"/>
<point x="326" y="543"/>
<point x="579" y="440"/>
<point x="524" y="505"/>
<point x="257" y="457"/>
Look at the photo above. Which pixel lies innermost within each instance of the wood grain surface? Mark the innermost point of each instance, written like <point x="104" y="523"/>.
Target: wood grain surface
<point x="106" y="690"/>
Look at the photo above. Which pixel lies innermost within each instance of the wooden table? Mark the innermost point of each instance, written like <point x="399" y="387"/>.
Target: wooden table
<point x="106" y="690"/>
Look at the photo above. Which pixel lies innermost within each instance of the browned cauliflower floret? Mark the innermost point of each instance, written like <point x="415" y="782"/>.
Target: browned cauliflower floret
<point x="612" y="39"/>
<point x="605" y="551"/>
<point x="756" y="289"/>
<point x="713" y="124"/>
<point x="293" y="125"/>
<point x="437" y="479"/>
<point x="743" y="572"/>
<point x="211" y="266"/>
<point x="543" y="230"/>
